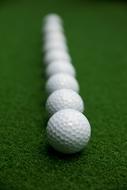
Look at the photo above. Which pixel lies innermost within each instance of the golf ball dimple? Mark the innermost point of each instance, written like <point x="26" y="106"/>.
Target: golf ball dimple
<point x="68" y="131"/>
<point x="60" y="67"/>
<point x="63" y="99"/>
<point x="61" y="81"/>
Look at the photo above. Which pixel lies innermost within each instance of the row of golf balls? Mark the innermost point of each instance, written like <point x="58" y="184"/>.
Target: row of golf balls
<point x="68" y="130"/>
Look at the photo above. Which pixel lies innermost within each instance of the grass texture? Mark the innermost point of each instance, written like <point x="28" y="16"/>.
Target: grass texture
<point x="97" y="39"/>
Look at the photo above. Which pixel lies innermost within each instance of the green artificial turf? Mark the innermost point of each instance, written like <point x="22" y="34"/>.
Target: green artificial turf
<point x="97" y="38"/>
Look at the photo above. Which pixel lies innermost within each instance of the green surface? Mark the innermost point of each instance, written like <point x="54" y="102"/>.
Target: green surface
<point x="97" y="36"/>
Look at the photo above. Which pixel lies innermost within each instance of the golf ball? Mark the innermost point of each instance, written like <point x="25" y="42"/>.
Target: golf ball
<point x="54" y="35"/>
<point x="55" y="55"/>
<point x="60" y="81"/>
<point x="60" y="67"/>
<point x="64" y="99"/>
<point x="52" y="27"/>
<point x="52" y="17"/>
<point x="54" y="39"/>
<point x="55" y="45"/>
<point x="68" y="131"/>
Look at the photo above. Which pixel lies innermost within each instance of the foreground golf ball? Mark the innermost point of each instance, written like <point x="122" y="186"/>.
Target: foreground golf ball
<point x="61" y="81"/>
<point x="55" y="55"/>
<point x="68" y="131"/>
<point x="60" y="67"/>
<point x="64" y="99"/>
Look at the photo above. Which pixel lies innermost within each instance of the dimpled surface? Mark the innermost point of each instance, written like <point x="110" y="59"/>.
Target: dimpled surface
<point x="61" y="81"/>
<point x="54" y="55"/>
<point x="68" y="131"/>
<point x="64" y="99"/>
<point x="60" y="67"/>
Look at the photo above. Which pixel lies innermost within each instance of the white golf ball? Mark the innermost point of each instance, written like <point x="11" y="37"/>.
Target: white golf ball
<point x="55" y="38"/>
<point x="60" y="81"/>
<point x="52" y="27"/>
<point x="60" y="67"/>
<point x="64" y="99"/>
<point x="55" y="45"/>
<point x="55" y="55"/>
<point x="68" y="131"/>
<point x="52" y="17"/>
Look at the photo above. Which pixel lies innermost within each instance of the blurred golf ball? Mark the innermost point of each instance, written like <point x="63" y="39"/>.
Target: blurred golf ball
<point x="55" y="55"/>
<point x="52" y="17"/>
<point x="60" y="67"/>
<point x="52" y="27"/>
<point x="64" y="99"/>
<point x="54" y="45"/>
<point x="60" y="81"/>
<point x="55" y="36"/>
